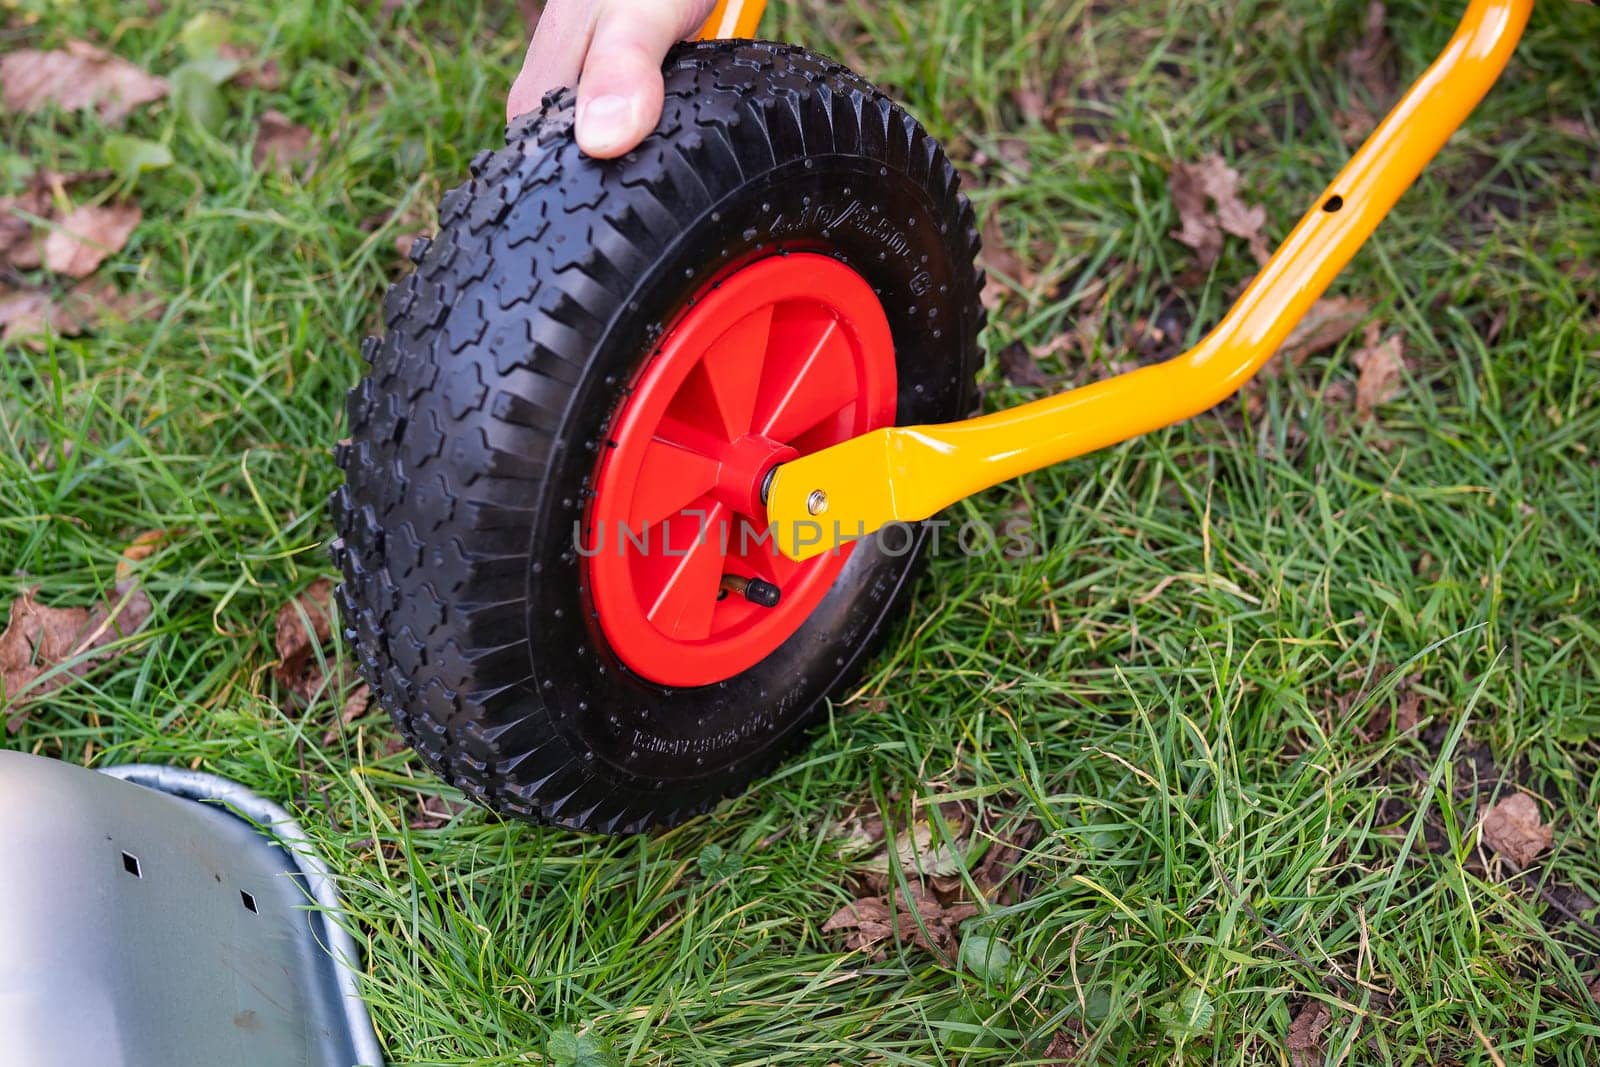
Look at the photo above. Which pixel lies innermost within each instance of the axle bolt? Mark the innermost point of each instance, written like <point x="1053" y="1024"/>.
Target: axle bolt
<point x="817" y="502"/>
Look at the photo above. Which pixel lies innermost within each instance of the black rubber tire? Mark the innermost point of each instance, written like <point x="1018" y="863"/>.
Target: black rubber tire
<point x="473" y="438"/>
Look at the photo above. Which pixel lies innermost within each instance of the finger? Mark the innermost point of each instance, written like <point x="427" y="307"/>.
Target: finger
<point x="620" y="89"/>
<point x="555" y="55"/>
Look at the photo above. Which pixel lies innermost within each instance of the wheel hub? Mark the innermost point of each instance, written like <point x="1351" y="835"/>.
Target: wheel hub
<point x="746" y="462"/>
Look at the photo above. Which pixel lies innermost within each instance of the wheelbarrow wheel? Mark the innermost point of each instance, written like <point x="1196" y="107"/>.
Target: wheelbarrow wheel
<point x="551" y="529"/>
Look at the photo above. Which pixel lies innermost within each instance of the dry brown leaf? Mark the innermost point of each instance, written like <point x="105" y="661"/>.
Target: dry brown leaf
<point x="1196" y="226"/>
<point x="436" y="812"/>
<point x="97" y="302"/>
<point x="20" y="244"/>
<point x="859" y="833"/>
<point x="1514" y="829"/>
<point x="931" y="851"/>
<point x="27" y="315"/>
<point x="79" y="76"/>
<point x="1015" y="534"/>
<point x="1020" y="368"/>
<point x="1577" y="129"/>
<point x="998" y="260"/>
<point x="995" y="875"/>
<point x="1328" y="322"/>
<point x="40" y="639"/>
<point x="266" y="76"/>
<point x="1403" y="713"/>
<point x="920" y="850"/>
<point x="1206" y="197"/>
<point x="1594" y="989"/>
<point x="419" y="219"/>
<point x="296" y="645"/>
<point x="281" y="143"/>
<point x="1380" y="363"/>
<point x="49" y="456"/>
<point x="406" y="242"/>
<point x="940" y="865"/>
<point x="1010" y="151"/>
<point x="866" y="922"/>
<point x="1370" y="64"/>
<point x="254" y="72"/>
<point x="1305" y="1034"/>
<point x="919" y="920"/>
<point x="355" y="706"/>
<point x="1081" y="341"/>
<point x="1031" y="102"/>
<point x="1407" y="711"/>
<point x="926" y="910"/>
<point x="298" y="669"/>
<point x="1064" y="1050"/>
<point x="1073" y="349"/>
<point x="140" y="549"/>
<point x="83" y="240"/>
<point x="18" y="248"/>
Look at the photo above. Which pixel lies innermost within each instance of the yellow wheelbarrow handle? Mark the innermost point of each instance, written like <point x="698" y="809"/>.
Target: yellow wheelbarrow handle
<point x="733" y="18"/>
<point x="903" y="474"/>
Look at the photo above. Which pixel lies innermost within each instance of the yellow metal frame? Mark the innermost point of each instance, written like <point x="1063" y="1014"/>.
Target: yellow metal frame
<point x="733" y="18"/>
<point x="908" y="473"/>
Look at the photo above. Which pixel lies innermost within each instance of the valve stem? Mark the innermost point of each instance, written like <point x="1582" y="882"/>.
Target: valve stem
<point x="762" y="594"/>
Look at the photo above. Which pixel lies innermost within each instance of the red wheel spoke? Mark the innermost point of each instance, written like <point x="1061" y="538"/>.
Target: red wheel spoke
<point x="811" y="376"/>
<point x="721" y="391"/>
<point x="670" y="479"/>
<point x="690" y="436"/>
<point x="687" y="596"/>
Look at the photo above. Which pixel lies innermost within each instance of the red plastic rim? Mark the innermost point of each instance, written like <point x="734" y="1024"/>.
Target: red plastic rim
<point x="781" y="358"/>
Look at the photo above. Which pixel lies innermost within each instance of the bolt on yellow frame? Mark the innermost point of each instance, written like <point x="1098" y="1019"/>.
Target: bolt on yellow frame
<point x="907" y="473"/>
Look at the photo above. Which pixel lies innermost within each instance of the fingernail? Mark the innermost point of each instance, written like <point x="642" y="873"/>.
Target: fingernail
<point x="606" y="122"/>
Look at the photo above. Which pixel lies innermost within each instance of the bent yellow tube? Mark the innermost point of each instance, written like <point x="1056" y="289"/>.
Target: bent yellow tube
<point x="903" y="474"/>
<point x="733" y="18"/>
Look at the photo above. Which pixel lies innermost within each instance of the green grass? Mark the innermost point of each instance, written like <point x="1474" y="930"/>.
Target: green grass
<point x="1188" y="689"/>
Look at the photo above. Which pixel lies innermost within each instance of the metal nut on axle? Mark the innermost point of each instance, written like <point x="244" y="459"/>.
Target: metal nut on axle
<point x="817" y="502"/>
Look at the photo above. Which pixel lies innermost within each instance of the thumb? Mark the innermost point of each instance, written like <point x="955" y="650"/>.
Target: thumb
<point x="620" y="89"/>
<point x="555" y="55"/>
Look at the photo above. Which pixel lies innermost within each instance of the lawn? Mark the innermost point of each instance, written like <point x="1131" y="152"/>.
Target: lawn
<point x="1226" y="737"/>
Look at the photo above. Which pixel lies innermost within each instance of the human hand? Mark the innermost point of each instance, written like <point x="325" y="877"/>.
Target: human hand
<point x="613" y="50"/>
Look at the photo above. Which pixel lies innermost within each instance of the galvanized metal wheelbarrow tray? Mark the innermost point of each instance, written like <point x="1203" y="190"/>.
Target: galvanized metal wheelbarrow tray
<point x="163" y="917"/>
